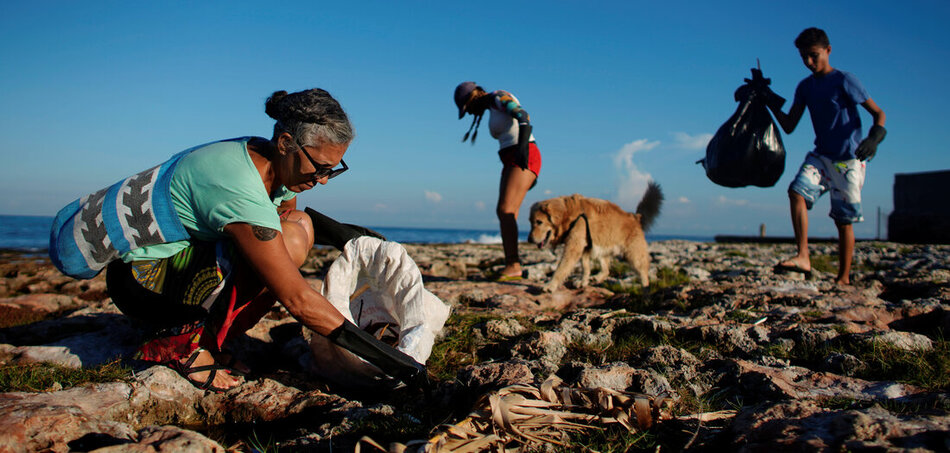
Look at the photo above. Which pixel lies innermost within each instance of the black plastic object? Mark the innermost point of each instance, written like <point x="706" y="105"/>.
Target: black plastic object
<point x="327" y="231"/>
<point x="524" y="138"/>
<point x="868" y="147"/>
<point x="747" y="150"/>
<point x="391" y="360"/>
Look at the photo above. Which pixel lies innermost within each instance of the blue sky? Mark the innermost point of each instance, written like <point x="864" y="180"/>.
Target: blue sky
<point x="618" y="92"/>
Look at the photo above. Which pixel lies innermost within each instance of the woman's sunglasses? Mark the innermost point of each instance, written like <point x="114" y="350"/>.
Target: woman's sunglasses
<point x="321" y="171"/>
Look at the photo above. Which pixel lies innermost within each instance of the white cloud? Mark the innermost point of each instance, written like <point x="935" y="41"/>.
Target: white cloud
<point x="434" y="197"/>
<point x="723" y="201"/>
<point x="693" y="142"/>
<point x="683" y="200"/>
<point x="547" y="191"/>
<point x="480" y="205"/>
<point x="633" y="182"/>
<point x="380" y="207"/>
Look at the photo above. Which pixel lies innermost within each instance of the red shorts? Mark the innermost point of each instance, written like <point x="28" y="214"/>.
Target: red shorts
<point x="507" y="156"/>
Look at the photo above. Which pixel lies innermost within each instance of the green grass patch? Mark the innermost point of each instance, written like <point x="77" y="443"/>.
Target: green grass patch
<point x="587" y="352"/>
<point x="734" y="252"/>
<point x="741" y="316"/>
<point x="829" y="263"/>
<point x="665" y="278"/>
<point x="258" y="445"/>
<point x="458" y="347"/>
<point x="824" y="263"/>
<point x="628" y="344"/>
<point x="610" y="439"/>
<point x="619" y="267"/>
<point x="41" y="377"/>
<point x="662" y="294"/>
<point x="929" y="370"/>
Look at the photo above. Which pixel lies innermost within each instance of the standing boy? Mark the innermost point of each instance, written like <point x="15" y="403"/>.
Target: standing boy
<point x="838" y="161"/>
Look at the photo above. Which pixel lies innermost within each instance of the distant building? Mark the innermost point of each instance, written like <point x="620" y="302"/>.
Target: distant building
<point x="921" y="208"/>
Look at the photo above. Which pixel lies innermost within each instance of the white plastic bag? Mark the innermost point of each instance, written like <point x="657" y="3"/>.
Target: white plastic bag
<point x="389" y="290"/>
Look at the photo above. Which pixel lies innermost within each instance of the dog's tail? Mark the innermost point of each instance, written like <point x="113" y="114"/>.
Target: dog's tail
<point x="649" y="207"/>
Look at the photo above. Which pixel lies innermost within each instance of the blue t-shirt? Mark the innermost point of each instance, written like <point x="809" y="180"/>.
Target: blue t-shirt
<point x="832" y="102"/>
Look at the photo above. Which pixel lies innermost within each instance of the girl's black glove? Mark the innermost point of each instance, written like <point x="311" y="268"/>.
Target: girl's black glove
<point x="524" y="137"/>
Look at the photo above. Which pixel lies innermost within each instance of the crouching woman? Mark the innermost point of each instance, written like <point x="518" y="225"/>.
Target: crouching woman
<point x="199" y="248"/>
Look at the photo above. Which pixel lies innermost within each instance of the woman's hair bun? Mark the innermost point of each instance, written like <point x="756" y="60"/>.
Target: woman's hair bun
<point x="271" y="105"/>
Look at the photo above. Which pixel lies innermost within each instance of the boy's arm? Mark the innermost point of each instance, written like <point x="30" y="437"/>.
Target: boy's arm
<point x="876" y="113"/>
<point x="868" y="147"/>
<point x="789" y="121"/>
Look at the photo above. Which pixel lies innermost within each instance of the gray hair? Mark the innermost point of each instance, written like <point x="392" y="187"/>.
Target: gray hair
<point x="312" y="117"/>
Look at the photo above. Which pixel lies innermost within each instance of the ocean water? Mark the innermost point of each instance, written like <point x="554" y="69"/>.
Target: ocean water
<point x="31" y="233"/>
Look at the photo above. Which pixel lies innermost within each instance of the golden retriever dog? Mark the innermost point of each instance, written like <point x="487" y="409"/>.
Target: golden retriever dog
<point x="591" y="227"/>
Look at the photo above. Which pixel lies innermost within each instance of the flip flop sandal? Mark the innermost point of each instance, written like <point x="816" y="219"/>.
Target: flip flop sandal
<point x="185" y="369"/>
<point x="512" y="278"/>
<point x="785" y="268"/>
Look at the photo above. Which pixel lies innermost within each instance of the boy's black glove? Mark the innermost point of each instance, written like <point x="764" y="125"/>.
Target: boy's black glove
<point x="760" y="85"/>
<point x="391" y="360"/>
<point x="868" y="147"/>
<point x="524" y="137"/>
<point x="774" y="101"/>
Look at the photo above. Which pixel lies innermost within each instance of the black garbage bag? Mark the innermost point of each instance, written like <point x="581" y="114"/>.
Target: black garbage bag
<point x="327" y="231"/>
<point x="747" y="149"/>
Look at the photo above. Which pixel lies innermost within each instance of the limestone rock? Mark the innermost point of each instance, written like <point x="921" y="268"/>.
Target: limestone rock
<point x="907" y="341"/>
<point x="49" y="421"/>
<point x="496" y="375"/>
<point x="503" y="328"/>
<point x="166" y="439"/>
<point x="804" y="426"/>
<point x="58" y="355"/>
<point x="624" y="378"/>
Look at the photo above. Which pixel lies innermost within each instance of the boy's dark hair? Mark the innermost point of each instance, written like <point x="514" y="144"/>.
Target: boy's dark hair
<point x="812" y="37"/>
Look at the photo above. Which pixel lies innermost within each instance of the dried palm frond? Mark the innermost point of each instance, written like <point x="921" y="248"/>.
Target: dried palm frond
<point x="522" y="415"/>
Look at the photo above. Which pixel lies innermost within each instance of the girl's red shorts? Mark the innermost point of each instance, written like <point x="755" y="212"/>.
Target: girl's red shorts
<point x="507" y="156"/>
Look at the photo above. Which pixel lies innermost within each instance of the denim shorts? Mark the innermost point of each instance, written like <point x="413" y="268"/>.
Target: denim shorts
<point x="843" y="178"/>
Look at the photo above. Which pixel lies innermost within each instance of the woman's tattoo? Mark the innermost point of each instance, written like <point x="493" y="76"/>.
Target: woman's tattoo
<point x="263" y="233"/>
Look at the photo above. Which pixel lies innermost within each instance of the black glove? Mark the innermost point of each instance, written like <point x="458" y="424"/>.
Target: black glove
<point x="774" y="101"/>
<point x="760" y="85"/>
<point x="524" y="137"/>
<point x="327" y="231"/>
<point x="868" y="147"/>
<point x="392" y="361"/>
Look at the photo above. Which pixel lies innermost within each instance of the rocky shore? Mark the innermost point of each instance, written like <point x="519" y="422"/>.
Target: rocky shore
<point x="751" y="360"/>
